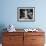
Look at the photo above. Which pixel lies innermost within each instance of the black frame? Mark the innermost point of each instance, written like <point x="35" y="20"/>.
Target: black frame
<point x="26" y="14"/>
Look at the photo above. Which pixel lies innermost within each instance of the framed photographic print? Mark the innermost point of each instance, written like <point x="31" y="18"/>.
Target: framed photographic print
<point x="26" y="14"/>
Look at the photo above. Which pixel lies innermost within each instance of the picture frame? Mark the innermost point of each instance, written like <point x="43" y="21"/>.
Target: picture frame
<point x="26" y="14"/>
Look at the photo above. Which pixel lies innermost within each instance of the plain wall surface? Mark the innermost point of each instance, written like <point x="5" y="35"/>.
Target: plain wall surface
<point x="8" y="13"/>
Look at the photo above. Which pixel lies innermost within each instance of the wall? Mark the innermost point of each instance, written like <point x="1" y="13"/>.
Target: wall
<point x="9" y="13"/>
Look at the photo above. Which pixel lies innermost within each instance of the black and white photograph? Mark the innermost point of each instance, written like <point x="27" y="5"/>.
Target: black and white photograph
<point x="26" y="14"/>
